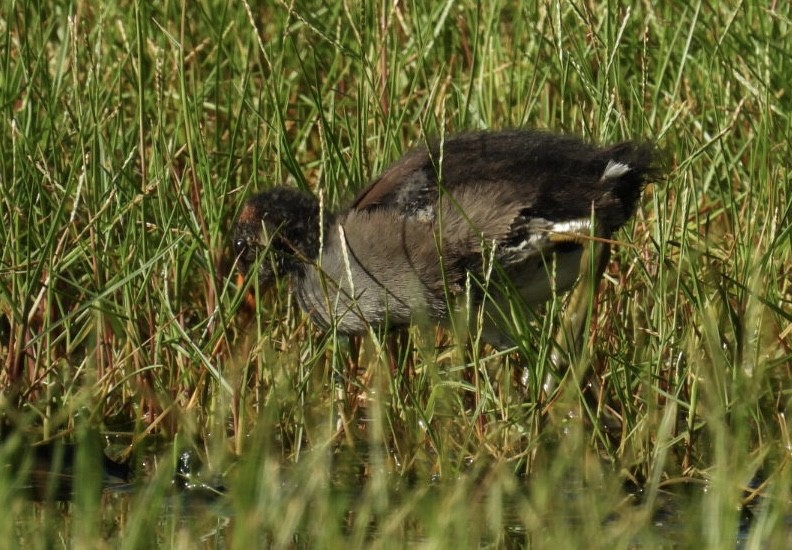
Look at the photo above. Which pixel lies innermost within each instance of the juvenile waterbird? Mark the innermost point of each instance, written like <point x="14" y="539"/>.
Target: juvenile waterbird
<point x="469" y="220"/>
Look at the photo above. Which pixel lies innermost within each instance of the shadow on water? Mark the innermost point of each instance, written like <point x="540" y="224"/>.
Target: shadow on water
<point x="52" y="473"/>
<point x="50" y="492"/>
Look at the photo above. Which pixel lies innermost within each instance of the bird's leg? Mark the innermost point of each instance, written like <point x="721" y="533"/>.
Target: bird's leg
<point x="569" y="338"/>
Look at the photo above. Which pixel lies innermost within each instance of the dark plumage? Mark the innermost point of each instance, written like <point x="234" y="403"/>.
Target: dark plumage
<point x="433" y="221"/>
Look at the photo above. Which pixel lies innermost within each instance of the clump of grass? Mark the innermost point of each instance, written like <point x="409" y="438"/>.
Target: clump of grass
<point x="132" y="136"/>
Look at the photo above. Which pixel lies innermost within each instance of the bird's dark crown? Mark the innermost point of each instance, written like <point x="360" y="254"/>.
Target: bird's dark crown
<point x="282" y="223"/>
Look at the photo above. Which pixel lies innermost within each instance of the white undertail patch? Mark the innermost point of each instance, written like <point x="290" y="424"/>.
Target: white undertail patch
<point x="615" y="170"/>
<point x="580" y="226"/>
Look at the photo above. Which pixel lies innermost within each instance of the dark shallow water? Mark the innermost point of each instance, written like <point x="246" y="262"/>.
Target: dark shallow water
<point x="193" y="498"/>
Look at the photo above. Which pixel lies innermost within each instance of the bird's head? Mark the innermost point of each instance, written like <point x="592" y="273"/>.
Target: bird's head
<point x="277" y="233"/>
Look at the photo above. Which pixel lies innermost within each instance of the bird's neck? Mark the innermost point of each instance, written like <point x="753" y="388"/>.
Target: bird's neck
<point x="307" y="260"/>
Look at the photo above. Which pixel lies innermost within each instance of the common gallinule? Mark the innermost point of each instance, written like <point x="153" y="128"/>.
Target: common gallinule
<point x="475" y="218"/>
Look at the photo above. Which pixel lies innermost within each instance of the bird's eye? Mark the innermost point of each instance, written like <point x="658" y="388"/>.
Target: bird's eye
<point x="240" y="245"/>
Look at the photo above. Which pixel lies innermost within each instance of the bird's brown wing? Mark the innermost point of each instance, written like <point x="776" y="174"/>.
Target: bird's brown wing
<point x="516" y="191"/>
<point x="553" y="177"/>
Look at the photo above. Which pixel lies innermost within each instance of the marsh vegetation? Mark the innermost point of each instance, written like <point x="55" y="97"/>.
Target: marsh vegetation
<point x="133" y="132"/>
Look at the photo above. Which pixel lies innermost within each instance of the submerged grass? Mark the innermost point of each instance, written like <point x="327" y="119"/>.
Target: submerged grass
<point x="133" y="132"/>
